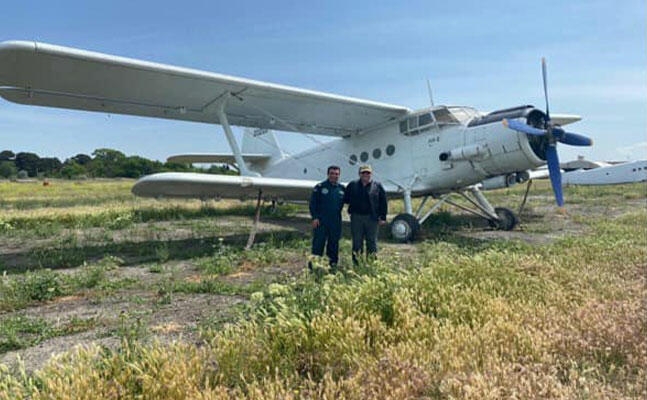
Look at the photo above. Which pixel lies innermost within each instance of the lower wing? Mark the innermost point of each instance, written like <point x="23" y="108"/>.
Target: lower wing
<point x="206" y="186"/>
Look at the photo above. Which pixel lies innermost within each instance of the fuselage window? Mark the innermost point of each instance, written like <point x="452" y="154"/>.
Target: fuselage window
<point x="377" y="153"/>
<point x="403" y="126"/>
<point x="363" y="156"/>
<point x="352" y="159"/>
<point x="390" y="149"/>
<point x="305" y="170"/>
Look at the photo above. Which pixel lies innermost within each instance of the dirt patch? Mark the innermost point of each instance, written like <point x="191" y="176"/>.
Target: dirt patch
<point x="137" y="314"/>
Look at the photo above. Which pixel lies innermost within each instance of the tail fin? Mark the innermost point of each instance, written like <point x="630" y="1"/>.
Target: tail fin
<point x="261" y="141"/>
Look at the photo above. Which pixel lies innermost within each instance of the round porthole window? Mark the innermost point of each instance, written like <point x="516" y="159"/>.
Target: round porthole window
<point x="377" y="153"/>
<point x="305" y="170"/>
<point x="352" y="159"/>
<point x="390" y="149"/>
<point x="363" y="156"/>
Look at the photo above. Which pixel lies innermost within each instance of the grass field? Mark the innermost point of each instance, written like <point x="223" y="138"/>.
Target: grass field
<point x="106" y="296"/>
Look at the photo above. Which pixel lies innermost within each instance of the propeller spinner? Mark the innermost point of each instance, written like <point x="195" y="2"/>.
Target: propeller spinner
<point x="553" y="134"/>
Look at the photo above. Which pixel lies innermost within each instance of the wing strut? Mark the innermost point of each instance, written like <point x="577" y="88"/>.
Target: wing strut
<point x="222" y="116"/>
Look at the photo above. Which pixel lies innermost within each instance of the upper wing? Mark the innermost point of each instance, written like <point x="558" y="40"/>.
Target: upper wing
<point x="205" y="186"/>
<point x="48" y="75"/>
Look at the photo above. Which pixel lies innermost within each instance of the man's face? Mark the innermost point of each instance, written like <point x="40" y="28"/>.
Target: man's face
<point x="333" y="176"/>
<point x="365" y="177"/>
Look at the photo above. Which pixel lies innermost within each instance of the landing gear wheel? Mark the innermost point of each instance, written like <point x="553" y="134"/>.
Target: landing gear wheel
<point x="507" y="219"/>
<point x="404" y="227"/>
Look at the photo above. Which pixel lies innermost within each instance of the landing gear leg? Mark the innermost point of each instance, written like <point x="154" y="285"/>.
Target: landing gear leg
<point x="500" y="218"/>
<point x="405" y="226"/>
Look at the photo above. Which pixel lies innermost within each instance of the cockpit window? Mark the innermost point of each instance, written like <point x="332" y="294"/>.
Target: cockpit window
<point x="443" y="116"/>
<point x="463" y="114"/>
<point x="425" y="121"/>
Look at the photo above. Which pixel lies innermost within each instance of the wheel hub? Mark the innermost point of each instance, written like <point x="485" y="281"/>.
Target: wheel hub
<point x="400" y="229"/>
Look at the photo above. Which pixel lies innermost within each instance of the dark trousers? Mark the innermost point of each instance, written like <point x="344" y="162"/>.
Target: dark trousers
<point x="325" y="235"/>
<point x="363" y="228"/>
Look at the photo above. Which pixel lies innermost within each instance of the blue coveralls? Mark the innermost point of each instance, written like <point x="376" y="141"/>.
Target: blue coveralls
<point x="326" y="203"/>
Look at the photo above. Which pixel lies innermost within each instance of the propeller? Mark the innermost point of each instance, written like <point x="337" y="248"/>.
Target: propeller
<point x="553" y="134"/>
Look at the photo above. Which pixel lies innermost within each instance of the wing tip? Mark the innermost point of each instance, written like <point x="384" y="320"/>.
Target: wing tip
<point x="20" y="45"/>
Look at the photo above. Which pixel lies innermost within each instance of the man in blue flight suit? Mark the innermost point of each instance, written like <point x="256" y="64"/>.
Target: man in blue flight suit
<point x="326" y="202"/>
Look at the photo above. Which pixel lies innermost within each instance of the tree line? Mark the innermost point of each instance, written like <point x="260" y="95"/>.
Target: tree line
<point x="102" y="163"/>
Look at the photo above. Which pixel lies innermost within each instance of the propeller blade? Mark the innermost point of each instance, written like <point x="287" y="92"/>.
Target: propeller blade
<point x="544" y="73"/>
<point x="555" y="174"/>
<point x="521" y="127"/>
<point x="575" y="139"/>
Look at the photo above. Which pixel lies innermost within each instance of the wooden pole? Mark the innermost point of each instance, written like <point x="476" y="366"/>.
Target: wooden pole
<point x="257" y="216"/>
<point x="525" y="197"/>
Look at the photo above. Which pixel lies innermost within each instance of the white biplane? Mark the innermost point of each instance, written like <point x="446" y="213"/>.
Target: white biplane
<point x="433" y="153"/>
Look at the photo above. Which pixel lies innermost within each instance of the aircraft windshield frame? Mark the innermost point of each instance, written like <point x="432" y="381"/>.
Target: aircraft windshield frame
<point x="463" y="114"/>
<point x="427" y="119"/>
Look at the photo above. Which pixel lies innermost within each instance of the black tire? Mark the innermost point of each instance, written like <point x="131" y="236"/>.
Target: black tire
<point x="507" y="219"/>
<point x="404" y="228"/>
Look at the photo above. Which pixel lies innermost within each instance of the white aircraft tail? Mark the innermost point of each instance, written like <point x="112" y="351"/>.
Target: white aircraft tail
<point x="262" y="141"/>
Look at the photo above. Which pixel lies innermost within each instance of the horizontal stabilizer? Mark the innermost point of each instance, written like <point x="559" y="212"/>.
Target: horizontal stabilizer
<point x="206" y="186"/>
<point x="224" y="158"/>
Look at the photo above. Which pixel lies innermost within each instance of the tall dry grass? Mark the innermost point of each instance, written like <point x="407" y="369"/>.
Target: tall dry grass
<point x="463" y="319"/>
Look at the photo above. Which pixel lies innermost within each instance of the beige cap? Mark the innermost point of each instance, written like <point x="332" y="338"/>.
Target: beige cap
<point x="365" y="168"/>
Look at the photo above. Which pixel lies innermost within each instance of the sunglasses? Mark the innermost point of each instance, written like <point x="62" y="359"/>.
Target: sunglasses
<point x="365" y="172"/>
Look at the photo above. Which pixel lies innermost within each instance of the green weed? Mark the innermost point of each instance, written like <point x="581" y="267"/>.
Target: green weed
<point x="20" y="331"/>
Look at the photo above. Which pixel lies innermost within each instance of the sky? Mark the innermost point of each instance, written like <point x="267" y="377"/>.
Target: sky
<point x="484" y="54"/>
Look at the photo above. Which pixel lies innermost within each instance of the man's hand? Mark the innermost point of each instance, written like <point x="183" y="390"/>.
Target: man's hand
<point x="315" y="223"/>
<point x="381" y="222"/>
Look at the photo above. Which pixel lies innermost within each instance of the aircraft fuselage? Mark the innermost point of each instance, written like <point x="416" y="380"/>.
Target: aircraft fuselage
<point x="437" y="158"/>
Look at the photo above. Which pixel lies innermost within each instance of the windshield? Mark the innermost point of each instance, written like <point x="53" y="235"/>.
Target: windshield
<point x="423" y="121"/>
<point x="463" y="114"/>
